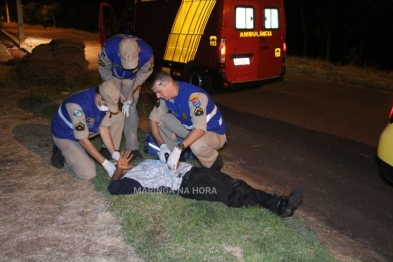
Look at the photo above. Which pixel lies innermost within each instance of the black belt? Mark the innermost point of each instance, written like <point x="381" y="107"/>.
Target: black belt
<point x="186" y="175"/>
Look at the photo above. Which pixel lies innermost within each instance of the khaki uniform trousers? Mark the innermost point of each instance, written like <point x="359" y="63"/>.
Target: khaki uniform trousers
<point x="76" y="157"/>
<point x="205" y="148"/>
<point x="132" y="121"/>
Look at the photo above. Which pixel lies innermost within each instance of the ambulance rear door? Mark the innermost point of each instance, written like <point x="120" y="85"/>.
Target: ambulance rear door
<point x="251" y="43"/>
<point x="241" y="49"/>
<point x="272" y="46"/>
<point x="107" y="24"/>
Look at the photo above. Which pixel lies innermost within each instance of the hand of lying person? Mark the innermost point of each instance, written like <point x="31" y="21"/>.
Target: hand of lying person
<point x="124" y="160"/>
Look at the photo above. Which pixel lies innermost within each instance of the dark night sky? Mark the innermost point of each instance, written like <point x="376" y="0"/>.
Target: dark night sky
<point x="356" y="32"/>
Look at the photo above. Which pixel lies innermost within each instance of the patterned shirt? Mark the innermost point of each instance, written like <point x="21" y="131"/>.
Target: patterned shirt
<point x="155" y="174"/>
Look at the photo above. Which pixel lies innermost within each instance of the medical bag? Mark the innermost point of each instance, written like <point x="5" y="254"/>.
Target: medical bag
<point x="150" y="147"/>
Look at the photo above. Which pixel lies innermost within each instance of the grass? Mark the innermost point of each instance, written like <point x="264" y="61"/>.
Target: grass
<point x="368" y="77"/>
<point x="170" y="228"/>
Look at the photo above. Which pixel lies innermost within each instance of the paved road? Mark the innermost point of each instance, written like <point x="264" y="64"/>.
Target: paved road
<point x="322" y="136"/>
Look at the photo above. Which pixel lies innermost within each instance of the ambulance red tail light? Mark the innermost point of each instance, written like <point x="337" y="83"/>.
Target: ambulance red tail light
<point x="222" y="50"/>
<point x="391" y="115"/>
<point x="284" y="47"/>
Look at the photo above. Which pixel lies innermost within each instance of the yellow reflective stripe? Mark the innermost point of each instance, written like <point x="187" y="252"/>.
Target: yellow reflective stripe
<point x="187" y="30"/>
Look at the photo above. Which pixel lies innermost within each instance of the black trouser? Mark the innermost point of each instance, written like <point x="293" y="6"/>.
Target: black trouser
<point x="205" y="184"/>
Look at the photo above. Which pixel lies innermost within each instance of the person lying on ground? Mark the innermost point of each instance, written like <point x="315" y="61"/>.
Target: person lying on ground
<point x="199" y="183"/>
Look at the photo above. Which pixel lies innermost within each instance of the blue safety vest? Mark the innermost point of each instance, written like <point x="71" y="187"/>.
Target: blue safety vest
<point x="181" y="109"/>
<point x="61" y="123"/>
<point x="111" y="48"/>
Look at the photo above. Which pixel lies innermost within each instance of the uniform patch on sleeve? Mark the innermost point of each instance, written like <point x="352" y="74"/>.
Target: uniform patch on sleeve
<point x="78" y="112"/>
<point x="195" y="101"/>
<point x="158" y="103"/>
<point x="101" y="63"/>
<point x="79" y="127"/>
<point x="198" y="111"/>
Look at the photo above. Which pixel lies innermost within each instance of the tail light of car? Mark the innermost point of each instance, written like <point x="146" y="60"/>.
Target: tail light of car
<point x="222" y="51"/>
<point x="391" y="115"/>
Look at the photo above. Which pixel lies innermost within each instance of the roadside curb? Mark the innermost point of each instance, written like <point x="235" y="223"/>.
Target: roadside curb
<point x="14" y="39"/>
<point x="11" y="37"/>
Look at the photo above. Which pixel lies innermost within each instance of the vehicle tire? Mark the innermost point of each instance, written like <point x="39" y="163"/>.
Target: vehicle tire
<point x="194" y="76"/>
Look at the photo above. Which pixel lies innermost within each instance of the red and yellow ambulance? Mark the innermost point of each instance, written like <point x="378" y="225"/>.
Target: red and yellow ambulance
<point x="218" y="43"/>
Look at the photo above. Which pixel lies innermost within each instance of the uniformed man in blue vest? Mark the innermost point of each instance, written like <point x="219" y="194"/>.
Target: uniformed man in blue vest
<point x="128" y="61"/>
<point x="80" y="117"/>
<point x="186" y="111"/>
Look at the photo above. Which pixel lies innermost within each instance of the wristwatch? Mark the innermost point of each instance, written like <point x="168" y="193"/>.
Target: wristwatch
<point x="180" y="146"/>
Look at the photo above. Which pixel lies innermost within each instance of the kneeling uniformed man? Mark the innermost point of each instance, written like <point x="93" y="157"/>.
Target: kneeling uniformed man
<point x="186" y="111"/>
<point x="80" y="117"/>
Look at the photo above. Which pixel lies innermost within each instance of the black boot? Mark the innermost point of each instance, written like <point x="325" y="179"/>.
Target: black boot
<point x="57" y="159"/>
<point x="218" y="164"/>
<point x="136" y="154"/>
<point x="288" y="205"/>
<point x="105" y="153"/>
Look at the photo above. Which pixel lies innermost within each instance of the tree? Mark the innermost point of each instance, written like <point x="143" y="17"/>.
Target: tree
<point x="49" y="12"/>
<point x="30" y="11"/>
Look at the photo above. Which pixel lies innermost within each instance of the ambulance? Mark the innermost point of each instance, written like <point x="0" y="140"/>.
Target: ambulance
<point x="227" y="44"/>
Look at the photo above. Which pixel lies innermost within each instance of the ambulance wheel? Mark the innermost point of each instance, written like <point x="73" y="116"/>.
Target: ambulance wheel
<point x="195" y="77"/>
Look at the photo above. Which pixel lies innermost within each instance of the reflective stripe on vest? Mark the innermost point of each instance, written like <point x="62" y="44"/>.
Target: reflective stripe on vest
<point x="213" y="113"/>
<point x="68" y="123"/>
<point x="208" y="118"/>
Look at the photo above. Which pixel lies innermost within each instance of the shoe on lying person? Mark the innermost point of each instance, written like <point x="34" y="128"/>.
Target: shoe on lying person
<point x="57" y="159"/>
<point x="136" y="154"/>
<point x="288" y="205"/>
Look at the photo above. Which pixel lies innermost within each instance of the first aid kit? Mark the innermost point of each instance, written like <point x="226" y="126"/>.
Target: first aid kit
<point x="150" y="147"/>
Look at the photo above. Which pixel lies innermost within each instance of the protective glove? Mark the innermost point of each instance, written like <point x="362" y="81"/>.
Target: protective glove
<point x="109" y="167"/>
<point x="174" y="158"/>
<point x="161" y="154"/>
<point x="116" y="155"/>
<point x="126" y="108"/>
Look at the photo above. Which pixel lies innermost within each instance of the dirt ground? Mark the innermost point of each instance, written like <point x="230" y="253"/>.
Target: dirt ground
<point x="48" y="215"/>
